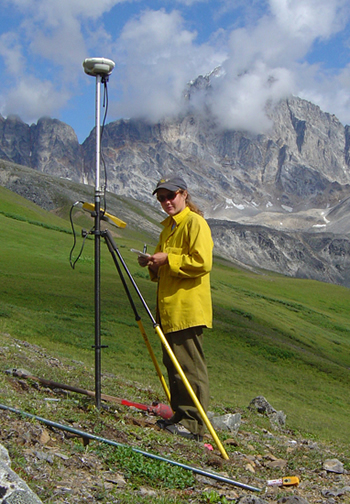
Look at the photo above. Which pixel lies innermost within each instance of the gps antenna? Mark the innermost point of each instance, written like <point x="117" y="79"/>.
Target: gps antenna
<point x="100" y="68"/>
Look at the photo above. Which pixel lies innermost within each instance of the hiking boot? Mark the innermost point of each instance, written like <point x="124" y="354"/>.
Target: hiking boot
<point x="162" y="424"/>
<point x="178" y="430"/>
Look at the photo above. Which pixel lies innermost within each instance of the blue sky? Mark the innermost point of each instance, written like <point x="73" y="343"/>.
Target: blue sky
<point x="266" y="50"/>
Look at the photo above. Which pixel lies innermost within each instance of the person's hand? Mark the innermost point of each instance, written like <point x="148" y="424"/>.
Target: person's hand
<point x="158" y="259"/>
<point x="143" y="261"/>
<point x="154" y="262"/>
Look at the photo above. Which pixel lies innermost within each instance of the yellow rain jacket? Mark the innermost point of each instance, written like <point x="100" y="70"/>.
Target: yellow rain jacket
<point x="184" y="298"/>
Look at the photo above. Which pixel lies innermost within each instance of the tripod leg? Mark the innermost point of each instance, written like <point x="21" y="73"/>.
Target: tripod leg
<point x="112" y="248"/>
<point x="154" y="360"/>
<point x="191" y="391"/>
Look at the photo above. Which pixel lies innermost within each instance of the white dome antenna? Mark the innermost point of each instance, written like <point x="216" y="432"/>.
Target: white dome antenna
<point x="98" y="66"/>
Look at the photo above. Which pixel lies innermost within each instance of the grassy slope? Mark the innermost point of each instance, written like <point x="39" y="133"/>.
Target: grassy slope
<point x="283" y="338"/>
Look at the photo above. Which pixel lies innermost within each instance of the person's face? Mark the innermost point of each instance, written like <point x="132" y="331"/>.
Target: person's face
<point x="172" y="202"/>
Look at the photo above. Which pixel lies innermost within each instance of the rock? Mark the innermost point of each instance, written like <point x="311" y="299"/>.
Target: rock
<point x="322" y="256"/>
<point x="13" y="490"/>
<point x="231" y="441"/>
<point x="277" y="464"/>
<point x="261" y="405"/>
<point x="50" y="146"/>
<point x="250" y="468"/>
<point x="336" y="493"/>
<point x="18" y="372"/>
<point x="41" y="455"/>
<point x="292" y="499"/>
<point x="333" y="465"/>
<point x="4" y="456"/>
<point x="231" y="495"/>
<point x="116" y="479"/>
<point x="44" y="437"/>
<point x="230" y="422"/>
<point x="233" y="172"/>
<point x="278" y="419"/>
<point x="147" y="492"/>
<point x="251" y="499"/>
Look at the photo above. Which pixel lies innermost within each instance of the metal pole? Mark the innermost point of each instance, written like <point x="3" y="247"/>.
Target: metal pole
<point x="83" y="434"/>
<point x="97" y="250"/>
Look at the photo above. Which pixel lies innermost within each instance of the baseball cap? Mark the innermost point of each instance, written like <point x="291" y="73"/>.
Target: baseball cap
<point x="172" y="184"/>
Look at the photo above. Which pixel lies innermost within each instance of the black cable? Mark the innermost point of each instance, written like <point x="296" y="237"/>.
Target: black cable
<point x="105" y="106"/>
<point x="71" y="262"/>
<point x="104" y="80"/>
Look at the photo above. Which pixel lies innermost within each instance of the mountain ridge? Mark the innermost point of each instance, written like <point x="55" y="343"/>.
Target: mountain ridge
<point x="289" y="187"/>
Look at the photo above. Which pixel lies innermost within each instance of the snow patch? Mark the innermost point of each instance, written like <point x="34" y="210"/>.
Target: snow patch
<point x="231" y="204"/>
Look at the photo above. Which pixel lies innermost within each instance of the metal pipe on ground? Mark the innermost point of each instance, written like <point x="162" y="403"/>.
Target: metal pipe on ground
<point x="87" y="435"/>
<point x="159" y="409"/>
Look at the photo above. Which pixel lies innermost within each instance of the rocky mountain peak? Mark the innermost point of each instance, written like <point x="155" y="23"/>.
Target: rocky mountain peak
<point x="276" y="200"/>
<point x="301" y="163"/>
<point x="50" y="146"/>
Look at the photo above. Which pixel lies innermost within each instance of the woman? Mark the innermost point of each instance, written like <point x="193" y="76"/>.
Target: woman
<point x="181" y="265"/>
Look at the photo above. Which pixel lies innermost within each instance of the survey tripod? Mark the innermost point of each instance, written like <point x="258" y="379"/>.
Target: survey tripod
<point x="101" y="68"/>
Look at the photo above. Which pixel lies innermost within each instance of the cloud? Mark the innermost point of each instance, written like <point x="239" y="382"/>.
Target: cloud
<point x="264" y="56"/>
<point x="188" y="3"/>
<point x="59" y="31"/>
<point x="158" y="57"/>
<point x="310" y="19"/>
<point x="331" y="93"/>
<point x="267" y="62"/>
<point x="43" y="55"/>
<point x="52" y="12"/>
<point x="264" y="61"/>
<point x="32" y="98"/>
<point x="240" y="103"/>
<point x="11" y="52"/>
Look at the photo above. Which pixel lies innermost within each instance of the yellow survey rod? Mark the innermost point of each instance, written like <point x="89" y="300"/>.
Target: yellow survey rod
<point x="154" y="360"/>
<point x="190" y="391"/>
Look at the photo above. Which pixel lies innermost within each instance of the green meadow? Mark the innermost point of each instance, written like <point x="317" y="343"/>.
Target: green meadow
<point x="283" y="338"/>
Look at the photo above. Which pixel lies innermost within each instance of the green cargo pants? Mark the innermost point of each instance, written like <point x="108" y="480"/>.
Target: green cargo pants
<point x="187" y="348"/>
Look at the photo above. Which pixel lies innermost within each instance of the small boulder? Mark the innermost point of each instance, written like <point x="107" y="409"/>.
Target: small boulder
<point x="229" y="422"/>
<point x="12" y="488"/>
<point x="261" y="405"/>
<point x="292" y="499"/>
<point x="251" y="499"/>
<point x="333" y="465"/>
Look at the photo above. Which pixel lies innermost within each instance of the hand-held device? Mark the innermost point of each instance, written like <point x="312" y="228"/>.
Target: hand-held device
<point x="139" y="253"/>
